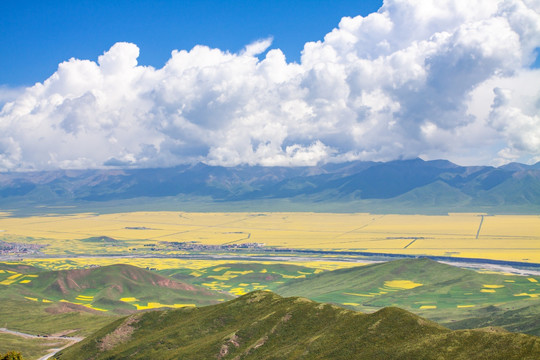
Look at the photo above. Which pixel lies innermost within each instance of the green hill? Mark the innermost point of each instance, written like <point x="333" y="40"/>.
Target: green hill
<point x="263" y="325"/>
<point x="118" y="288"/>
<point x="524" y="319"/>
<point x="79" y="302"/>
<point x="50" y="301"/>
<point x="450" y="295"/>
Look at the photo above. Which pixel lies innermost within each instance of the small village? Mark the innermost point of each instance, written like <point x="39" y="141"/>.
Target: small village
<point x="196" y="246"/>
<point x="19" y="249"/>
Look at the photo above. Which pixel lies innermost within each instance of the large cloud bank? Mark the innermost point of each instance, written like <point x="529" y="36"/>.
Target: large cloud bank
<point x="431" y="78"/>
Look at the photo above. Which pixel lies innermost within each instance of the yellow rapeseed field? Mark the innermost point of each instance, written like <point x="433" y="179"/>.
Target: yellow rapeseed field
<point x="401" y="284"/>
<point x="501" y="237"/>
<point x="164" y="264"/>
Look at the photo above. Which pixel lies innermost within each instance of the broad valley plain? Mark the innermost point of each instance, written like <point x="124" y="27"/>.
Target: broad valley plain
<point x="67" y="273"/>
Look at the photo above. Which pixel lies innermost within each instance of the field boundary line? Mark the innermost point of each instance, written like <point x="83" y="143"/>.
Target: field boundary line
<point x="480" y="226"/>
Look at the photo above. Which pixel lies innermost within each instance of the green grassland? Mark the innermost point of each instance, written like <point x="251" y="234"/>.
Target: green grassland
<point x="46" y="319"/>
<point x="241" y="278"/>
<point x="22" y="306"/>
<point x="443" y="293"/>
<point x="81" y="301"/>
<point x="455" y="297"/>
<point x="37" y="301"/>
<point x="30" y="348"/>
<point x="262" y="325"/>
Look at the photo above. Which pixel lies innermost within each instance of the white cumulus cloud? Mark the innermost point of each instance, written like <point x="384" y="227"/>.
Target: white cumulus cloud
<point x="432" y="78"/>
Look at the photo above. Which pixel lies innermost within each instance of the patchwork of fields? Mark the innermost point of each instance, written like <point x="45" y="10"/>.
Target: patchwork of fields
<point x="164" y="264"/>
<point x="419" y="285"/>
<point x="233" y="277"/>
<point x="500" y="237"/>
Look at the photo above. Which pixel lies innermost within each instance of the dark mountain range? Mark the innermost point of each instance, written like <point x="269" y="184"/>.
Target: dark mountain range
<point x="263" y="325"/>
<point x="392" y="185"/>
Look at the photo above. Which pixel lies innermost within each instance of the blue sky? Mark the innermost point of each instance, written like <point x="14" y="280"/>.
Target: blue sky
<point x="101" y="84"/>
<point x="37" y="35"/>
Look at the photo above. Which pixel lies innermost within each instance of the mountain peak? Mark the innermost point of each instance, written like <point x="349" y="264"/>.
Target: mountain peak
<point x="401" y="185"/>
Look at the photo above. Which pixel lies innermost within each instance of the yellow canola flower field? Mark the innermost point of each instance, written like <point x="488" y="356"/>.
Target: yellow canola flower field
<point x="529" y="295"/>
<point x="164" y="264"/>
<point x="401" y="284"/>
<point x="362" y="295"/>
<point x="500" y="237"/>
<point x="156" y="305"/>
<point x="129" y="299"/>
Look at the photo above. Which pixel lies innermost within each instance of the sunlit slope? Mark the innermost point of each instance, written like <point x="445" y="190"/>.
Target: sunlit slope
<point x="262" y="325"/>
<point x="236" y="277"/>
<point x="109" y="288"/>
<point x="240" y="278"/>
<point x="441" y="292"/>
<point x="500" y="237"/>
<point x="18" y="268"/>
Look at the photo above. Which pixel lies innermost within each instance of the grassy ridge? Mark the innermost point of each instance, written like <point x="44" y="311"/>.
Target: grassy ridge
<point x="444" y="293"/>
<point x="262" y="325"/>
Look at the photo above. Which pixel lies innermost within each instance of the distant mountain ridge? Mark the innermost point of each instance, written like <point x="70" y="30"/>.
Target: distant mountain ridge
<point x="405" y="183"/>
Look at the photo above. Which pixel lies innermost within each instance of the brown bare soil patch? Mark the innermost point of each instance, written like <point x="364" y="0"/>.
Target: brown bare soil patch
<point x="120" y="335"/>
<point x="224" y="351"/>
<point x="68" y="280"/>
<point x="171" y="284"/>
<point x="62" y="308"/>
